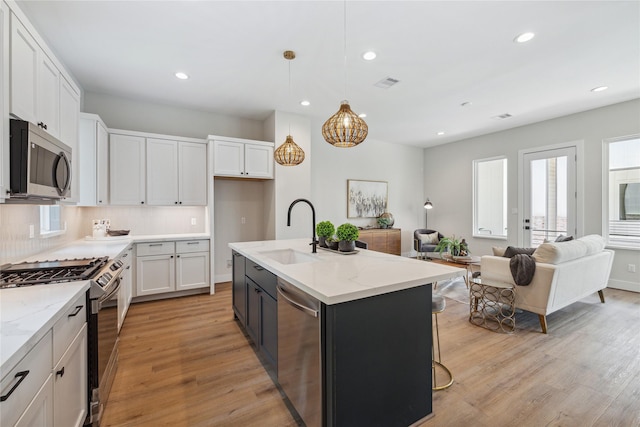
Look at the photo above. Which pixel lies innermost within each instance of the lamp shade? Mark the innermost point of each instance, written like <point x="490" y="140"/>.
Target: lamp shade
<point x="428" y="205"/>
<point x="344" y="129"/>
<point x="289" y="153"/>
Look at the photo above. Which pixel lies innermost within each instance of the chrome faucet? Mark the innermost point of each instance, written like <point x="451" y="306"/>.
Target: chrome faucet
<point x="314" y="242"/>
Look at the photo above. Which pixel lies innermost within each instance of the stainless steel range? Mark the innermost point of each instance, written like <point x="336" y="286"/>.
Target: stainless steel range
<point x="102" y="319"/>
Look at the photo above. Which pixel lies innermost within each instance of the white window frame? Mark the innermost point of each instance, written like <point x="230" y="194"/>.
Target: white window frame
<point x="47" y="229"/>
<point x="605" y="194"/>
<point x="504" y="190"/>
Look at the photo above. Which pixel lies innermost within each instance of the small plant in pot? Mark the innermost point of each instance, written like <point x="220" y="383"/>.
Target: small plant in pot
<point x="347" y="234"/>
<point x="384" y="222"/>
<point x="453" y="245"/>
<point x="324" y="230"/>
<point x="332" y="242"/>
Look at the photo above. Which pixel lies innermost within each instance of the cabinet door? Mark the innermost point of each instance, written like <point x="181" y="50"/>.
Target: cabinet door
<point x="69" y="124"/>
<point x="4" y="99"/>
<point x="162" y="172"/>
<point x="253" y="311"/>
<point x="102" y="165"/>
<point x="70" y="384"/>
<point x="24" y="74"/>
<point x="192" y="270"/>
<point x="124" y="296"/>
<point x="258" y="161"/>
<point x="239" y="288"/>
<point x="192" y="168"/>
<point x="269" y="328"/>
<point x="127" y="166"/>
<point x="48" y="95"/>
<point x="228" y="158"/>
<point x="155" y="274"/>
<point x="39" y="413"/>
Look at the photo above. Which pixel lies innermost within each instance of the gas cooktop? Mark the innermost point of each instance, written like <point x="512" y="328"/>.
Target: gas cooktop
<point x="46" y="272"/>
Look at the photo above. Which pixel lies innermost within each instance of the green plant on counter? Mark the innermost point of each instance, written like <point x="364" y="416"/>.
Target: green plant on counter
<point x="325" y="229"/>
<point x="384" y="221"/>
<point x="453" y="245"/>
<point x="347" y="232"/>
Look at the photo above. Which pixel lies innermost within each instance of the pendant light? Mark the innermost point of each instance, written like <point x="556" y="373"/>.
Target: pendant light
<point x="345" y="129"/>
<point x="289" y="153"/>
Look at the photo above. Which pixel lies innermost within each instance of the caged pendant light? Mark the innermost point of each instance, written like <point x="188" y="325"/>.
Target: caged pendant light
<point x="345" y="129"/>
<point x="289" y="153"/>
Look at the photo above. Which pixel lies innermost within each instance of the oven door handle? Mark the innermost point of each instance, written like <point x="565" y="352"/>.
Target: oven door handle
<point x="97" y="306"/>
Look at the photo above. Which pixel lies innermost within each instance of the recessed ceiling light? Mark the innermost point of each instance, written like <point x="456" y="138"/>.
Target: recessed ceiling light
<point x="599" y="88"/>
<point x="524" y="37"/>
<point x="182" y="76"/>
<point x="362" y="115"/>
<point x="369" y="55"/>
<point x="440" y="133"/>
<point x="305" y="103"/>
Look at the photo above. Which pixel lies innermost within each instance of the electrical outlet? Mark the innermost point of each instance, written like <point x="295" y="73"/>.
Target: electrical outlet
<point x="228" y="263"/>
<point x="193" y="221"/>
<point x="32" y="231"/>
<point x="243" y="220"/>
<point x="631" y="268"/>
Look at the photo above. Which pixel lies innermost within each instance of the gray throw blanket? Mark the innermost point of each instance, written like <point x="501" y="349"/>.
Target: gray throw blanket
<point x="522" y="267"/>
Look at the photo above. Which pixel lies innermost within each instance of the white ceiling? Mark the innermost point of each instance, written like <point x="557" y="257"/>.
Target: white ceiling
<point x="443" y="52"/>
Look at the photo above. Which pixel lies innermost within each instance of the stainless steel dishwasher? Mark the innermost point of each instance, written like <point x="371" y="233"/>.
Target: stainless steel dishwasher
<point x="299" y="369"/>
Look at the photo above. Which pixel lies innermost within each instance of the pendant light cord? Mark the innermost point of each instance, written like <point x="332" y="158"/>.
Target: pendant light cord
<point x="289" y="94"/>
<point x="345" y="49"/>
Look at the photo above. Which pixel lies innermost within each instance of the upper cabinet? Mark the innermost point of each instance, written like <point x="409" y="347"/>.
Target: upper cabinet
<point x="157" y="170"/>
<point x="234" y="157"/>
<point x="92" y="172"/>
<point x="4" y="100"/>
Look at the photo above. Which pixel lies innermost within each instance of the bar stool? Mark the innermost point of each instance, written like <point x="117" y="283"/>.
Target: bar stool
<point x="438" y="305"/>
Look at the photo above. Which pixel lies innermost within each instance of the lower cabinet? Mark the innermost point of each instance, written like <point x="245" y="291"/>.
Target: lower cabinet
<point x="254" y="293"/>
<point x="386" y="240"/>
<point x="163" y="267"/>
<point x="70" y="384"/>
<point x="126" y="287"/>
<point x="39" y="413"/>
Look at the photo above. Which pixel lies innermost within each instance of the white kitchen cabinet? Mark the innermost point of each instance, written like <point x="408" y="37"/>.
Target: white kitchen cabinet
<point x="92" y="173"/>
<point x="163" y="267"/>
<point x="4" y="99"/>
<point x="69" y="122"/>
<point x="70" y="383"/>
<point x="127" y="172"/>
<point x="126" y="286"/>
<point x="242" y="158"/>
<point x="24" y="72"/>
<point x="48" y="95"/>
<point x="39" y="413"/>
<point x="176" y="172"/>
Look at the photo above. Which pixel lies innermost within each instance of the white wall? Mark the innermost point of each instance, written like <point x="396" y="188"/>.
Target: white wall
<point x="401" y="166"/>
<point x="448" y="176"/>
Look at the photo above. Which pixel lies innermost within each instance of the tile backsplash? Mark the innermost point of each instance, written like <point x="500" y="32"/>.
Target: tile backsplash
<point x="15" y="243"/>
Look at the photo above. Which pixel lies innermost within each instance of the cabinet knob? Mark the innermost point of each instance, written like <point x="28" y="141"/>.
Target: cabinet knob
<point x="142" y="203"/>
<point x="175" y="203"/>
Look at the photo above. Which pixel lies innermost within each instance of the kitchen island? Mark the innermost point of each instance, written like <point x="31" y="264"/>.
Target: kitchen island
<point x="373" y="329"/>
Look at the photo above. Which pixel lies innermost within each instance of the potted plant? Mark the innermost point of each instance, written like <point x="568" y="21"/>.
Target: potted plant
<point x="384" y="222"/>
<point x="453" y="245"/>
<point x="332" y="242"/>
<point x="324" y="229"/>
<point x="347" y="234"/>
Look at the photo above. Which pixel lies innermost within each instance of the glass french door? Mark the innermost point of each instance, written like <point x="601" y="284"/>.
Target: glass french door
<point x="550" y="195"/>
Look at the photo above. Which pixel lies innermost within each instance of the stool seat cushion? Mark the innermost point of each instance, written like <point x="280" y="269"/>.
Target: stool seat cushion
<point x="438" y="303"/>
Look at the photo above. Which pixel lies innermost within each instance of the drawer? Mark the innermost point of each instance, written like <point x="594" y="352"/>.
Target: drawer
<point x="37" y="364"/>
<point x="127" y="256"/>
<point x="67" y="327"/>
<point x="156" y="248"/>
<point x="187" y="246"/>
<point x="263" y="277"/>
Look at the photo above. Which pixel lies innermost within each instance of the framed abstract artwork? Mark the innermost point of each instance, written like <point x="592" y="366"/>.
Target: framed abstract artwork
<point x="366" y="199"/>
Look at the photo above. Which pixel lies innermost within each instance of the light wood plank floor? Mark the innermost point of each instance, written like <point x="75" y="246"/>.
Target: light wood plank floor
<point x="186" y="362"/>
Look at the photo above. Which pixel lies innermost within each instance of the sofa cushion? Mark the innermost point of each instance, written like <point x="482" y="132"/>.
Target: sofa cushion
<point x="512" y="250"/>
<point x="594" y="242"/>
<point x="557" y="253"/>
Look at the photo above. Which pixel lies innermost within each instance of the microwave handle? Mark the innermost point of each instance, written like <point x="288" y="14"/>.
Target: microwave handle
<point x="67" y="185"/>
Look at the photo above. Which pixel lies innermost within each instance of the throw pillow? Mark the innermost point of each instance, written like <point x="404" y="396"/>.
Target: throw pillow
<point x="498" y="251"/>
<point x="429" y="239"/>
<point x="563" y="238"/>
<point x="511" y="251"/>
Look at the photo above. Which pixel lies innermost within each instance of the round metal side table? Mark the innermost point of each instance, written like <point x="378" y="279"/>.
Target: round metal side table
<point x="492" y="305"/>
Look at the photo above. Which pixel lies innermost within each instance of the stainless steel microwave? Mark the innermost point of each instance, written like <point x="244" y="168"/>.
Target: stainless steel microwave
<point x="39" y="164"/>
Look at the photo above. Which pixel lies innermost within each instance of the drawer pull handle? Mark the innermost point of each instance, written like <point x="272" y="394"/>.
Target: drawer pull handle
<point x="60" y="372"/>
<point x="22" y="375"/>
<point x="257" y="267"/>
<point x="76" y="311"/>
<point x="193" y="243"/>
<point x="155" y="244"/>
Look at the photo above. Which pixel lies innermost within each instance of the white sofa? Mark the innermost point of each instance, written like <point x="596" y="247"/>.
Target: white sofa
<point x="565" y="272"/>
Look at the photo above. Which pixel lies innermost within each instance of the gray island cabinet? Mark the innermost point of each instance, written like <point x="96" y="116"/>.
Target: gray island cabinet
<point x="370" y="335"/>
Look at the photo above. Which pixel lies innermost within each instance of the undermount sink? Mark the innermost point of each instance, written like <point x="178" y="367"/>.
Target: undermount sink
<point x="288" y="256"/>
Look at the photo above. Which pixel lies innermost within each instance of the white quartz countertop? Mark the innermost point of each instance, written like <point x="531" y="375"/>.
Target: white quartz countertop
<point x="334" y="278"/>
<point x="27" y="313"/>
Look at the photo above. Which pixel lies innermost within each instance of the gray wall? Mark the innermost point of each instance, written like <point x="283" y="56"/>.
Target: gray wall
<point x="448" y="176"/>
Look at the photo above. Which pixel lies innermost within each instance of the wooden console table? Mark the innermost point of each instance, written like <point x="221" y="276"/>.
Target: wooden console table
<point x="386" y="240"/>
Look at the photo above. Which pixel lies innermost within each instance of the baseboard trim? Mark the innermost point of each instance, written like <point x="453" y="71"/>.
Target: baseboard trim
<point x="223" y="278"/>
<point x="624" y="285"/>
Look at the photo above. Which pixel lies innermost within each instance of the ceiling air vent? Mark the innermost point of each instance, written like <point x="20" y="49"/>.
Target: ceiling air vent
<point x="386" y="83"/>
<point x="502" y="116"/>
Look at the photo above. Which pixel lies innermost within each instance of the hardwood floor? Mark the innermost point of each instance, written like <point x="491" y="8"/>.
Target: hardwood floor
<point x="186" y="362"/>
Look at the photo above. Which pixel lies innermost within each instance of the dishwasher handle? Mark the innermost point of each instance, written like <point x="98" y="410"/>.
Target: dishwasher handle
<point x="308" y="310"/>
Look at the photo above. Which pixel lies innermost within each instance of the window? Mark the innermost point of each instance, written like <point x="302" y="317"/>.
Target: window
<point x="490" y="198"/>
<point x="621" y="191"/>
<point x="51" y="222"/>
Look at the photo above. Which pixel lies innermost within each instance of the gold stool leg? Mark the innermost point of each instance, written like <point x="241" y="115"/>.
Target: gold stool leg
<point x="438" y="362"/>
